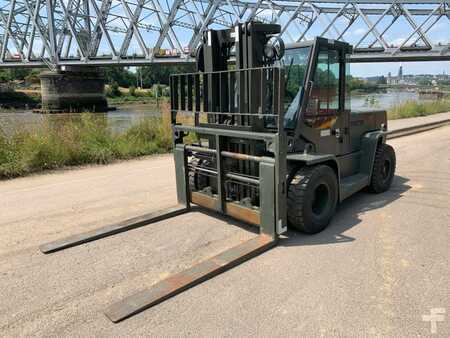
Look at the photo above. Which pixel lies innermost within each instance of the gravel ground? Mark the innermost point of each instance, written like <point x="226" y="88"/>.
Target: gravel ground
<point x="380" y="266"/>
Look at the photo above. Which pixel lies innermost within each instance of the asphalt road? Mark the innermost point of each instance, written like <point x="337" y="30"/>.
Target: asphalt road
<point x="380" y="266"/>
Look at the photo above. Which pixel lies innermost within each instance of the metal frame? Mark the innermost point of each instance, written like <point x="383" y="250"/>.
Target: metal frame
<point x="54" y="33"/>
<point x="272" y="218"/>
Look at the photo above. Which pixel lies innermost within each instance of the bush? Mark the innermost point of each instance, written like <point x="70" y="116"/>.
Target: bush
<point x="413" y="109"/>
<point x="33" y="78"/>
<point x="132" y="91"/>
<point x="79" y="140"/>
<point x="113" y="90"/>
<point x="18" y="99"/>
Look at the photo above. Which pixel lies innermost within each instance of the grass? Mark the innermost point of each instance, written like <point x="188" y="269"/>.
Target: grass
<point x="86" y="139"/>
<point x="77" y="141"/>
<point x="415" y="109"/>
<point x="128" y="99"/>
<point x="119" y="95"/>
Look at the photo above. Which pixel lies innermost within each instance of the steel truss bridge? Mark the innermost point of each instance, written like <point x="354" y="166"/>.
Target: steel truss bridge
<point x="54" y="33"/>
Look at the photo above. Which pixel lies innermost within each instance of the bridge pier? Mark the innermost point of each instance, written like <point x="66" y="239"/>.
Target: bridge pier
<point x="73" y="89"/>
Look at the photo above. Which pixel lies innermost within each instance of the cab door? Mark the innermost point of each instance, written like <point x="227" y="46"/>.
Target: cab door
<point x="323" y="112"/>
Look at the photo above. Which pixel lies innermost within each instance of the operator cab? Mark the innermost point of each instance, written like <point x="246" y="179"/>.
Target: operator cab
<point x="315" y="99"/>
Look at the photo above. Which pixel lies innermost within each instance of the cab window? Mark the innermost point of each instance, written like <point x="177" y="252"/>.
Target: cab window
<point x="323" y="100"/>
<point x="295" y="62"/>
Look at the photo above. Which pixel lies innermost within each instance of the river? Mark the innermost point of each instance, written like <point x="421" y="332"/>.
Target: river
<point x="381" y="100"/>
<point x="118" y="120"/>
<point x="126" y="115"/>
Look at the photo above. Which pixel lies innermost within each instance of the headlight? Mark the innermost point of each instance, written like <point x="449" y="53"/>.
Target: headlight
<point x="274" y="48"/>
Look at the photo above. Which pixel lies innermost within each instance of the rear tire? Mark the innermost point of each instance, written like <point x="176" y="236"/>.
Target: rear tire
<point x="312" y="198"/>
<point x="383" y="169"/>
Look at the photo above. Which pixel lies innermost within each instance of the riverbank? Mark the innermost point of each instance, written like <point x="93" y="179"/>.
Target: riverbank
<point x="138" y="100"/>
<point x="118" y="96"/>
<point x="415" y="109"/>
<point x="19" y="100"/>
<point x="31" y="98"/>
<point x="85" y="140"/>
<point x="88" y="140"/>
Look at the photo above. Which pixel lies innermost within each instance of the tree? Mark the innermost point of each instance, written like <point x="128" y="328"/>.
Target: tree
<point x="160" y="74"/>
<point x="424" y="82"/>
<point x="444" y="82"/>
<point x="151" y="74"/>
<point x="354" y="83"/>
<point x="295" y="76"/>
<point x="4" y="75"/>
<point x="12" y="74"/>
<point x="120" y="75"/>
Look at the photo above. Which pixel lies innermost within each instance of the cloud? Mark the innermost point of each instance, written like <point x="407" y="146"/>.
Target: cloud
<point x="359" y="32"/>
<point x="397" y="42"/>
<point x="443" y="40"/>
<point x="438" y="27"/>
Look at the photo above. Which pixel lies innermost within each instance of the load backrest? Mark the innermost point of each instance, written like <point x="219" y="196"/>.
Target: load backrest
<point x="230" y="104"/>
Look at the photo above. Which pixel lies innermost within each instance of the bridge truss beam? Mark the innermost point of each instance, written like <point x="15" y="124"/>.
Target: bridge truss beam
<point x="54" y="33"/>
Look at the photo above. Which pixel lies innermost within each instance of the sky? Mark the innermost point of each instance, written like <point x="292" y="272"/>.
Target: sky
<point x="378" y="69"/>
<point x="439" y="32"/>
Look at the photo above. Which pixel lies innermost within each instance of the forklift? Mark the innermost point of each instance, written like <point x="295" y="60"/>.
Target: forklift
<point x="272" y="143"/>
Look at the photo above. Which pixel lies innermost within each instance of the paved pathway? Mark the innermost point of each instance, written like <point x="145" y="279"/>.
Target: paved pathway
<point x="414" y="121"/>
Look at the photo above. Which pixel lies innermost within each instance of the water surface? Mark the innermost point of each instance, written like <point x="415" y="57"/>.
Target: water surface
<point x="118" y="120"/>
<point x="126" y="115"/>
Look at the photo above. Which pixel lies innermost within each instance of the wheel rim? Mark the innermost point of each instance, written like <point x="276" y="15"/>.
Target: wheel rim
<point x="321" y="199"/>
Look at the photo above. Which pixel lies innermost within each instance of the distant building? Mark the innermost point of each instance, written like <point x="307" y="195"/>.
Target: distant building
<point x="400" y="73"/>
<point x="416" y="79"/>
<point x="396" y="80"/>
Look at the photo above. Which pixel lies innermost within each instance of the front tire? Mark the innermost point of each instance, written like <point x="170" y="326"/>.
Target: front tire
<point x="383" y="169"/>
<point x="197" y="181"/>
<point x="312" y="198"/>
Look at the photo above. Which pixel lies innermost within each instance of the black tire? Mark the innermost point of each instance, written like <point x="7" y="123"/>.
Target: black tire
<point x="383" y="169"/>
<point x="197" y="181"/>
<point x="312" y="198"/>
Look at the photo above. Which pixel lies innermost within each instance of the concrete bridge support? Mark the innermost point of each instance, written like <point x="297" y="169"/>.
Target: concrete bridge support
<point x="73" y="89"/>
